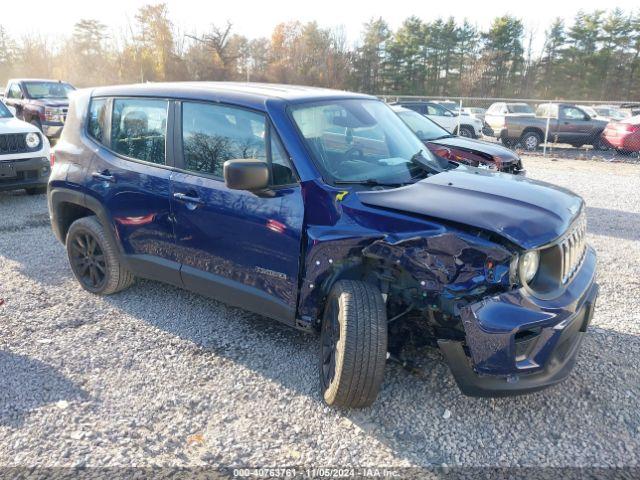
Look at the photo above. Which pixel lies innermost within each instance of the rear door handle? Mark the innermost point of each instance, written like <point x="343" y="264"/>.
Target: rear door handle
<point x="183" y="197"/>
<point x="105" y="176"/>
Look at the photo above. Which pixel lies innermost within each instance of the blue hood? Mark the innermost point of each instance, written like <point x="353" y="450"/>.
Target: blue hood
<point x="526" y="212"/>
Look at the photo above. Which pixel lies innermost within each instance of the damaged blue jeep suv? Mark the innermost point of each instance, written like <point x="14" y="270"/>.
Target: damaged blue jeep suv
<point x="322" y="210"/>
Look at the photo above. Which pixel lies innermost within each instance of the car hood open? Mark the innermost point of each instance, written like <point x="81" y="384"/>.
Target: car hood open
<point x="526" y="212"/>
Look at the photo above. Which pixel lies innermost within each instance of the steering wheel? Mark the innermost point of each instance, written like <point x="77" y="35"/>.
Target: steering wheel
<point x="354" y="153"/>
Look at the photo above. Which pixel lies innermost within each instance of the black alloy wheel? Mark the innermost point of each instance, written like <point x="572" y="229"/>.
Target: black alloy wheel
<point x="88" y="260"/>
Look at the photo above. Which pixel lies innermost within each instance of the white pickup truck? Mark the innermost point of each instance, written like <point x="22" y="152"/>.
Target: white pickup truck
<point x="24" y="154"/>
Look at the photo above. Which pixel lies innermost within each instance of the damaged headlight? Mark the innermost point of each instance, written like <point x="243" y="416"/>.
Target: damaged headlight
<point x="528" y="265"/>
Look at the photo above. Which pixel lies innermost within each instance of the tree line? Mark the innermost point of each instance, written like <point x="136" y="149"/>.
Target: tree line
<point x="595" y="55"/>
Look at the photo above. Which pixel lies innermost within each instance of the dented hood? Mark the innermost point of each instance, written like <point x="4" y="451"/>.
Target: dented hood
<point x="526" y="212"/>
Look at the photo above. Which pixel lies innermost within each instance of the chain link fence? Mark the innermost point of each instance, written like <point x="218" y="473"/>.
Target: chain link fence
<point x="567" y="128"/>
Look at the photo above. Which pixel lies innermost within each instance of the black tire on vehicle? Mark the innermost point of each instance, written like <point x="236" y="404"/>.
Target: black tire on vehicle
<point x="94" y="260"/>
<point x="353" y="344"/>
<point x="466" y="132"/>
<point x="531" y="141"/>
<point x="36" y="190"/>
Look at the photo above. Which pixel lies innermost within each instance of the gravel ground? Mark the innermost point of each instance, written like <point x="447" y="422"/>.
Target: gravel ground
<point x="159" y="376"/>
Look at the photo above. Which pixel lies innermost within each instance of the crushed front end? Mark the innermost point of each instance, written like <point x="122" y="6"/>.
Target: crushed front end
<point x="517" y="343"/>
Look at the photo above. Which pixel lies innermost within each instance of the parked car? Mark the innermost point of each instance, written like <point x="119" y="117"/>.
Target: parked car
<point x="624" y="135"/>
<point x="476" y="153"/>
<point x="610" y="112"/>
<point x="469" y="127"/>
<point x="24" y="155"/>
<point x="323" y="210"/>
<point x="476" y="112"/>
<point x="567" y="124"/>
<point x="42" y="103"/>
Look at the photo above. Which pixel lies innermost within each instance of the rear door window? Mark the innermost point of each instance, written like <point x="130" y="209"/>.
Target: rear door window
<point x="138" y="129"/>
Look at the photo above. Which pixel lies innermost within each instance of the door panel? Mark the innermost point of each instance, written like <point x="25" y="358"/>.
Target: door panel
<point x="136" y="193"/>
<point x="236" y="246"/>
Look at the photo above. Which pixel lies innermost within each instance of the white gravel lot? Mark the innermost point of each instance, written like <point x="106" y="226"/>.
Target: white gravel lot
<point x="159" y="376"/>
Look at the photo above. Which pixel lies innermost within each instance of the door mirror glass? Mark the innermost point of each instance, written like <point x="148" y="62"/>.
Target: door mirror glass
<point x="246" y="174"/>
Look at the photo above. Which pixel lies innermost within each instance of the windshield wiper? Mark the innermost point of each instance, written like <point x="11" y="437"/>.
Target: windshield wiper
<point x="369" y="182"/>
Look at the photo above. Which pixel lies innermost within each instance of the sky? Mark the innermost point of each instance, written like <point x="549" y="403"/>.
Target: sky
<point x="256" y="18"/>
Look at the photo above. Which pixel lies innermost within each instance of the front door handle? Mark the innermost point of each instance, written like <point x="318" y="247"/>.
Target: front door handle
<point x="183" y="197"/>
<point x="105" y="176"/>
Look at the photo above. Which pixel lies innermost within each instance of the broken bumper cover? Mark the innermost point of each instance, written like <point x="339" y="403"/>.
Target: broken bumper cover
<point x="518" y="344"/>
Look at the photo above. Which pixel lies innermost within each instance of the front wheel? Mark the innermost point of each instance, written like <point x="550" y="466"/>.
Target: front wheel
<point x="531" y="141"/>
<point x="353" y="344"/>
<point x="93" y="258"/>
<point x="466" y="132"/>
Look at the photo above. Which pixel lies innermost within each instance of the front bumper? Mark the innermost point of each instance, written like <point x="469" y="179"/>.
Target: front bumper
<point x="26" y="173"/>
<point x="518" y="344"/>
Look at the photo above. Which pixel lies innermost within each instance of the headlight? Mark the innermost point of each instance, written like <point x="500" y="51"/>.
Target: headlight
<point x="528" y="266"/>
<point x="32" y="140"/>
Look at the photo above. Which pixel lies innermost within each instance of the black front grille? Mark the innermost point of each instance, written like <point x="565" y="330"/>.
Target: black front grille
<point x="13" y="143"/>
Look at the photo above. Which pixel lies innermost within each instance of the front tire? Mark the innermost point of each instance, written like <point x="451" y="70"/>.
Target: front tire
<point x="353" y="345"/>
<point x="531" y="141"/>
<point x="466" y="132"/>
<point x="93" y="258"/>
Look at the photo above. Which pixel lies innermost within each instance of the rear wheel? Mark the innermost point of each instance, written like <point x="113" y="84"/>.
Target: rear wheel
<point x="353" y="345"/>
<point x="531" y="141"/>
<point x="93" y="259"/>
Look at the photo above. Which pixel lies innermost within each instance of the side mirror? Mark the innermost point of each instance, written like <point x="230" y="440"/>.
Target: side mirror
<point x="246" y="174"/>
<point x="12" y="110"/>
<point x="587" y="117"/>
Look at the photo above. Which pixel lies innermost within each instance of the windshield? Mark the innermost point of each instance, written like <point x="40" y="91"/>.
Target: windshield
<point x="519" y="108"/>
<point x="363" y="141"/>
<point x="40" y="90"/>
<point x="4" y="111"/>
<point x="424" y="128"/>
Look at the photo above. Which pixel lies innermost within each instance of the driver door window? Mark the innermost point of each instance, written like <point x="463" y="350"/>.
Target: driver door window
<point x="572" y="113"/>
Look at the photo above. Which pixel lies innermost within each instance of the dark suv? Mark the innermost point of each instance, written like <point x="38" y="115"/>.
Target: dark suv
<point x="323" y="210"/>
<point x="40" y="102"/>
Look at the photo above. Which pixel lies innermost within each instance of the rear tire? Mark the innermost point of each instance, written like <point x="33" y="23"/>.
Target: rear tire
<point x="531" y="141"/>
<point x="353" y="345"/>
<point x="94" y="260"/>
